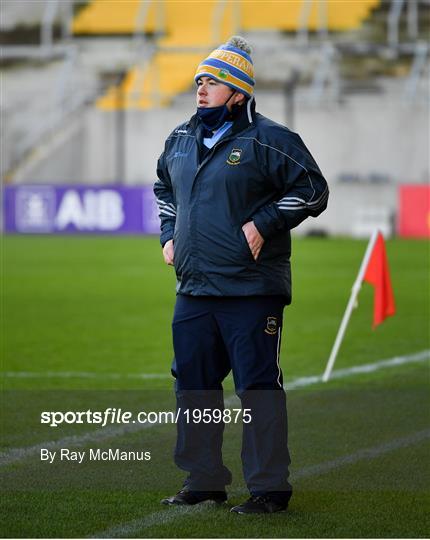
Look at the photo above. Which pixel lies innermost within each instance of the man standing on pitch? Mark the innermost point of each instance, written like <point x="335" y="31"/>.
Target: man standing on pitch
<point x="231" y="185"/>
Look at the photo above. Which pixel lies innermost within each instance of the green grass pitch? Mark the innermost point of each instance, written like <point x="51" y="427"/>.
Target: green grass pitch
<point x="86" y="324"/>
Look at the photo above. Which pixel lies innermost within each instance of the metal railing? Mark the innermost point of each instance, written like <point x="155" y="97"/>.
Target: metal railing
<point x="326" y="75"/>
<point x="418" y="70"/>
<point x="394" y="17"/>
<point x="218" y="15"/>
<point x="144" y="49"/>
<point x="304" y="16"/>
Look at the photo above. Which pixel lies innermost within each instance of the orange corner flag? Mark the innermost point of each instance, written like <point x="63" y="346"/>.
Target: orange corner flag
<point x="378" y="274"/>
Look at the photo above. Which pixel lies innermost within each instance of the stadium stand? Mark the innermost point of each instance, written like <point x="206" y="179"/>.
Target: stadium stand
<point x="185" y="27"/>
<point x="24" y="13"/>
<point x="104" y="17"/>
<point x="337" y="16"/>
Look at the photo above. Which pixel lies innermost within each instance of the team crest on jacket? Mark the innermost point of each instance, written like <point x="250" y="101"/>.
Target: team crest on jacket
<point x="234" y="157"/>
<point x="271" y="326"/>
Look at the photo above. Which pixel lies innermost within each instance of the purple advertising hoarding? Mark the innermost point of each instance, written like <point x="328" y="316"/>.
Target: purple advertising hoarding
<point x="45" y="209"/>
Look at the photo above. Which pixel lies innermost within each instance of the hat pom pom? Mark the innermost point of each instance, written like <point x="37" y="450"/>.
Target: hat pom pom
<point x="240" y="43"/>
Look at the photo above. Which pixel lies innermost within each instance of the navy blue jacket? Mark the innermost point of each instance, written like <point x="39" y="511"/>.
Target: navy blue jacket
<point x="259" y="171"/>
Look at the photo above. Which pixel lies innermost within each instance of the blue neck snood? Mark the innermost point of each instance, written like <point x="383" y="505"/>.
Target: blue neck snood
<point x="213" y="118"/>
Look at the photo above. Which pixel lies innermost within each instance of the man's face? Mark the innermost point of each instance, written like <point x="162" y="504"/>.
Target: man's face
<point x="211" y="93"/>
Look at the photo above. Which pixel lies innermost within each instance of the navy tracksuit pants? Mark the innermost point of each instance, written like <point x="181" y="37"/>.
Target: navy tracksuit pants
<point x="211" y="336"/>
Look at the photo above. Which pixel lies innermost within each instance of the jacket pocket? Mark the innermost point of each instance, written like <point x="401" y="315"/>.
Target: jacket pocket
<point x="245" y="249"/>
<point x="178" y="252"/>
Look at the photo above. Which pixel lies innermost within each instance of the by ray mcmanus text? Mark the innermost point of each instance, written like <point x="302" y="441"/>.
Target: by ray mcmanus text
<point x="93" y="454"/>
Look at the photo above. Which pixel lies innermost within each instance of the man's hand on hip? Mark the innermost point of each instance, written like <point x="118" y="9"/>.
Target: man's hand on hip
<point x="254" y="238"/>
<point x="168" y="252"/>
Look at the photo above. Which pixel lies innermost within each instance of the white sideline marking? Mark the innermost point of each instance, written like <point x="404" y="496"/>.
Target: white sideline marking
<point x="161" y="517"/>
<point x="16" y="454"/>
<point x="364" y="453"/>
<point x="296" y="383"/>
<point x="364" y="368"/>
<point x="126" y="530"/>
<point x="81" y="375"/>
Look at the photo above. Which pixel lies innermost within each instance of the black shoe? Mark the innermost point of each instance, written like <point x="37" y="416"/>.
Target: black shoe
<point x="260" y="504"/>
<point x="189" y="498"/>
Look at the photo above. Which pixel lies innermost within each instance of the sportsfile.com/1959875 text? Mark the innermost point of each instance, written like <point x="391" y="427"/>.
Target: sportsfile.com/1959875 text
<point x="113" y="415"/>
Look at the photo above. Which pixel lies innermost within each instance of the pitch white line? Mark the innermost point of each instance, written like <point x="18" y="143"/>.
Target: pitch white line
<point x="172" y="513"/>
<point x="295" y="383"/>
<point x="17" y="454"/>
<point x="364" y="368"/>
<point x="365" y="453"/>
<point x="81" y="375"/>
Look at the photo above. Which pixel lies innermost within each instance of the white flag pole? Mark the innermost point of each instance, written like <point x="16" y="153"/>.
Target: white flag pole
<point x="351" y="304"/>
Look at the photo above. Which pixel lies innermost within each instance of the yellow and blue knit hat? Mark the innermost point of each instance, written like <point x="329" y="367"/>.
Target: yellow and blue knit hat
<point x="230" y="64"/>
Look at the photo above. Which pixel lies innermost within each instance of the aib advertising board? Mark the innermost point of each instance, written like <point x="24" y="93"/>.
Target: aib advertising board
<point x="80" y="209"/>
